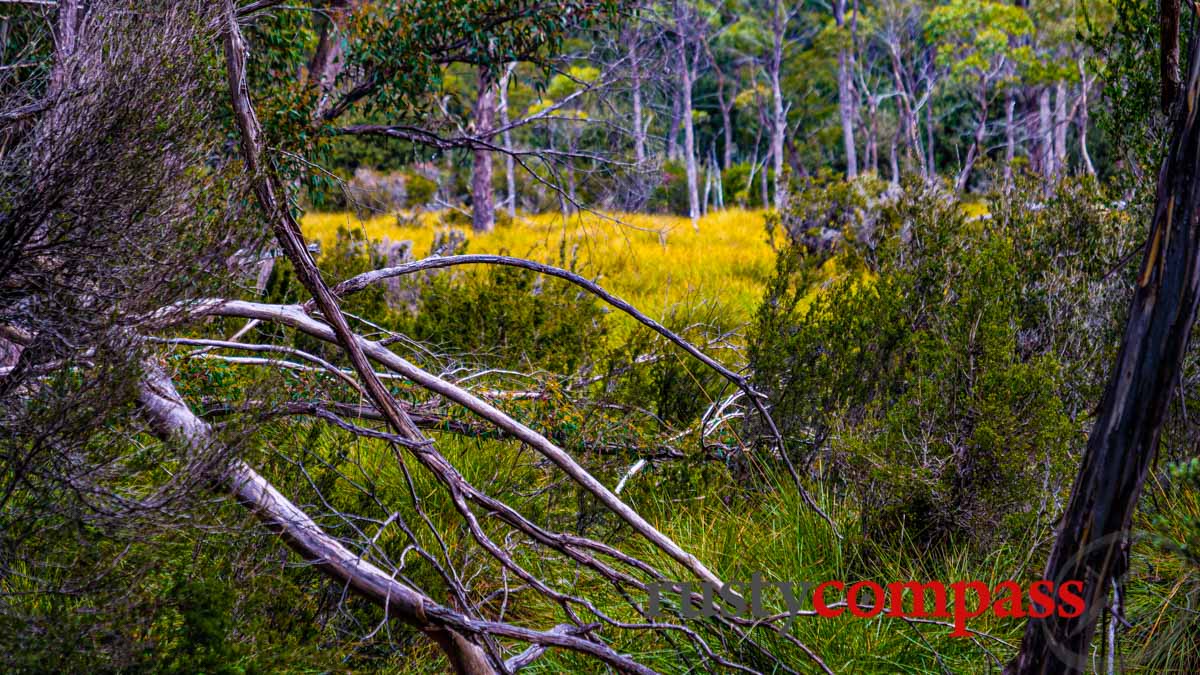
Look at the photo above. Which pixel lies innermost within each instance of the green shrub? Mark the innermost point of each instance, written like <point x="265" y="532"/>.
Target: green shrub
<point x="943" y="375"/>
<point x="505" y="316"/>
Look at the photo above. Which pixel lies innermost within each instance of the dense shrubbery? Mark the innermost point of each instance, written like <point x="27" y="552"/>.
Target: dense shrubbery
<point x="943" y="375"/>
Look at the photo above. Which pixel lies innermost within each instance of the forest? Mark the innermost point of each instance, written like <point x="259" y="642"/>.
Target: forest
<point x="556" y="336"/>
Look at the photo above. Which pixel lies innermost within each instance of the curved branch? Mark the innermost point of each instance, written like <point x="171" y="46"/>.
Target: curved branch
<point x="361" y="281"/>
<point x="291" y="315"/>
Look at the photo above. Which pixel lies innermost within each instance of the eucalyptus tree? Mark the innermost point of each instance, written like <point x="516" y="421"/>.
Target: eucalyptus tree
<point x="976" y="41"/>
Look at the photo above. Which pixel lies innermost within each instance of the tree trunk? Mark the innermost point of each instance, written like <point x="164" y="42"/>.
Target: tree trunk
<point x="930" y="148"/>
<point x="727" y="130"/>
<point x="977" y="143"/>
<point x="510" y="177"/>
<point x="1010" y="141"/>
<point x="1168" y="27"/>
<point x="572" y="148"/>
<point x="689" y="131"/>
<point x="1060" y="127"/>
<point x="483" y="198"/>
<point x="1045" y="134"/>
<point x="846" y="95"/>
<point x="673" y="132"/>
<point x="1090" y="546"/>
<point x="909" y="115"/>
<point x="762" y="180"/>
<point x="639" y="129"/>
<point x="778" y="114"/>
<point x="872" y="129"/>
<point x="1084" y="155"/>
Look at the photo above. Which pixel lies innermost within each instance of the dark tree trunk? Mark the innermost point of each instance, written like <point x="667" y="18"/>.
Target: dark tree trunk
<point x="1090" y="546"/>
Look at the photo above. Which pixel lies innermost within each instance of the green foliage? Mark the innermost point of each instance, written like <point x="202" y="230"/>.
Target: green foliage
<point x="977" y="37"/>
<point x="738" y="188"/>
<point x="505" y="316"/>
<point x="941" y="375"/>
<point x="1128" y="49"/>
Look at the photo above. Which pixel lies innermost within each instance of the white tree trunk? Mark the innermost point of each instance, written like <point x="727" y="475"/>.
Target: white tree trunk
<point x="1045" y="134"/>
<point x="689" y="134"/>
<point x="639" y="129"/>
<point x="846" y="101"/>
<point x="1010" y="141"/>
<point x="510" y="177"/>
<point x="1084" y="85"/>
<point x="778" y="114"/>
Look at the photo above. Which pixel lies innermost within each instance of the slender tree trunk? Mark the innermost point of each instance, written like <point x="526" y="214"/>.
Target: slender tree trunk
<point x="639" y="129"/>
<point x="872" y="129"/>
<point x="510" y="177"/>
<point x="1084" y="85"/>
<point x="483" y="198"/>
<point x="727" y="130"/>
<point x="778" y="114"/>
<point x="1010" y="141"/>
<point x="1168" y="27"/>
<point x="676" y="119"/>
<point x="762" y="179"/>
<point x="1045" y="134"/>
<point x="1060" y="127"/>
<point x="689" y="131"/>
<point x="1091" y="546"/>
<point x="66" y="38"/>
<point x="977" y="143"/>
<point x="909" y="116"/>
<point x="846" y="94"/>
<point x="930" y="148"/>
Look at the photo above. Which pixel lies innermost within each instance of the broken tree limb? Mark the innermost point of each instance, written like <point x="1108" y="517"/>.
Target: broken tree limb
<point x="292" y="316"/>
<point x="171" y="418"/>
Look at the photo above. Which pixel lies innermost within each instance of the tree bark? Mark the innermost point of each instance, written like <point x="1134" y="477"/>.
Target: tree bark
<point x="676" y="118"/>
<point x="930" y="148"/>
<point x="1010" y="141"/>
<point x="483" y="198"/>
<point x="778" y="114"/>
<point x="1060" y="127"/>
<point x="1090" y="546"/>
<point x="977" y="143"/>
<point x="689" y="131"/>
<point x="846" y="95"/>
<point x="1045" y="134"/>
<point x="1084" y="86"/>
<point x="510" y="177"/>
<point x="639" y="129"/>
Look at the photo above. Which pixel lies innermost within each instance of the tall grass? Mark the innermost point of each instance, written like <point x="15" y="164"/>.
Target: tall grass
<point x="655" y="262"/>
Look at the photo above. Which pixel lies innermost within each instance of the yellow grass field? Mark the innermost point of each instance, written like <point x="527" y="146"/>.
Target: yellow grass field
<point x="654" y="262"/>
